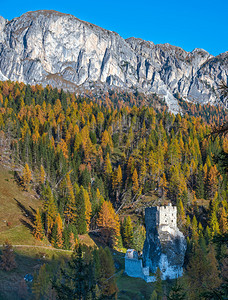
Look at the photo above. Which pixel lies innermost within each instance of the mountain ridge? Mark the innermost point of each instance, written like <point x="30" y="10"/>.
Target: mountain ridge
<point x="50" y="47"/>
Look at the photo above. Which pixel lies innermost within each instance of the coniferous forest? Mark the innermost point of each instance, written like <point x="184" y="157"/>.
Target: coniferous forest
<point x="97" y="162"/>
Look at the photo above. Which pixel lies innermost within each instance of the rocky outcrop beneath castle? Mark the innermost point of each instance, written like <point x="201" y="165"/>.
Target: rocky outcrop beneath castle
<point x="165" y="245"/>
<point x="165" y="248"/>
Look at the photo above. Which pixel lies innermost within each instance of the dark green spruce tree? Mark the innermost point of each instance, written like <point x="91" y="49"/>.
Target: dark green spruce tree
<point x="81" y="219"/>
<point x="78" y="280"/>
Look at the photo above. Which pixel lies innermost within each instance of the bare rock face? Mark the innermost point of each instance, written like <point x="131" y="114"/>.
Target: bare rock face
<point x="49" y="47"/>
<point x="165" y="245"/>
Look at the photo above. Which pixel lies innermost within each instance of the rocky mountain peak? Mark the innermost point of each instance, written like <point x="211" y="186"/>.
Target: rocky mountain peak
<point x="49" y="47"/>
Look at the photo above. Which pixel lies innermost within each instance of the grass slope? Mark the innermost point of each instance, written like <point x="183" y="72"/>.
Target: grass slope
<point x="17" y="209"/>
<point x="133" y="288"/>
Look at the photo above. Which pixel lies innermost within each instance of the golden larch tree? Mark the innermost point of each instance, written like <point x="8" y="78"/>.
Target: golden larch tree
<point x="105" y="139"/>
<point x="117" y="178"/>
<point x="88" y="208"/>
<point x="42" y="175"/>
<point x="72" y="241"/>
<point x="108" y="221"/>
<point x="163" y="185"/>
<point x="50" y="210"/>
<point x="59" y="233"/>
<point x="27" y="175"/>
<point x="62" y="146"/>
<point x="135" y="181"/>
<point x="38" y="231"/>
<point x="108" y="166"/>
<point x="223" y="221"/>
<point x="143" y="172"/>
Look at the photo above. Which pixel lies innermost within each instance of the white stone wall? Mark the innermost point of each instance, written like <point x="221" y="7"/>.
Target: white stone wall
<point x="160" y="216"/>
<point x="167" y="216"/>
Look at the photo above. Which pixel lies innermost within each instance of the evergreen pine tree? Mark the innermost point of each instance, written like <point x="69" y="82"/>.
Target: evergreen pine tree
<point x="128" y="232"/>
<point x="188" y="223"/>
<point x="70" y="208"/>
<point x="88" y="209"/>
<point x="81" y="212"/>
<point x="154" y="295"/>
<point x="181" y="213"/>
<point x="78" y="278"/>
<point x="107" y="281"/>
<point x="42" y="175"/>
<point x="202" y="243"/>
<point x="66" y="238"/>
<point x="53" y="235"/>
<point x="214" y="225"/>
<point x="195" y="234"/>
<point x="85" y="178"/>
<point x="213" y="273"/>
<point x="197" y="273"/>
<point x="41" y="285"/>
<point x="49" y="209"/>
<point x="177" y="292"/>
<point x="200" y="183"/>
<point x="139" y="236"/>
<point x="207" y="234"/>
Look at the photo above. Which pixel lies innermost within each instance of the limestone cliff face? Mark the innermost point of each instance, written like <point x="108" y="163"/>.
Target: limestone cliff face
<point x="49" y="47"/>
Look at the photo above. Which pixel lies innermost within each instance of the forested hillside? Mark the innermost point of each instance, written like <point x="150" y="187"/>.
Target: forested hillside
<point x="90" y="159"/>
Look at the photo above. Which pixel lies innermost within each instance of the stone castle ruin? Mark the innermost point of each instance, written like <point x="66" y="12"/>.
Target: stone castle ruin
<point x="164" y="246"/>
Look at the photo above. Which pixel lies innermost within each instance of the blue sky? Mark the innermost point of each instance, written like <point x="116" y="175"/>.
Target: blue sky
<point x="187" y="24"/>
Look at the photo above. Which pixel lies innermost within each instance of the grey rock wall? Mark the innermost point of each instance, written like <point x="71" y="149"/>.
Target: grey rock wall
<point x="49" y="47"/>
<point x="165" y="248"/>
<point x="165" y="245"/>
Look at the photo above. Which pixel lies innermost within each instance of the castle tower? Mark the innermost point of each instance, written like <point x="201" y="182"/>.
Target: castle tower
<point x="165" y="245"/>
<point x="161" y="216"/>
<point x="167" y="216"/>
